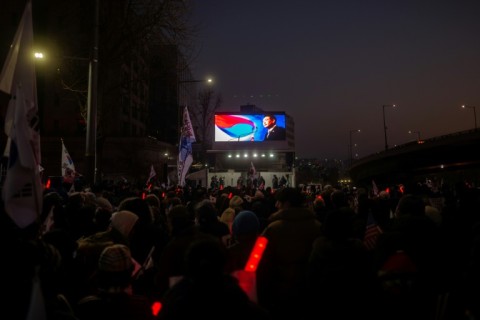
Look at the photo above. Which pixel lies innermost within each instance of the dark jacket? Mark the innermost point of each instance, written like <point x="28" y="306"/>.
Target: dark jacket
<point x="277" y="133"/>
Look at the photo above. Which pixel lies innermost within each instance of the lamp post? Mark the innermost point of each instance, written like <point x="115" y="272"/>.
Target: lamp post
<point x="91" y="139"/>
<point x="474" y="114"/>
<point x="351" y="132"/>
<point x="384" y="123"/>
<point x="91" y="132"/>
<point x="417" y="132"/>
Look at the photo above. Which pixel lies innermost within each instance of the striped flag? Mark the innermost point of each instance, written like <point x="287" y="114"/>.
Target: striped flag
<point x="372" y="231"/>
<point x="22" y="190"/>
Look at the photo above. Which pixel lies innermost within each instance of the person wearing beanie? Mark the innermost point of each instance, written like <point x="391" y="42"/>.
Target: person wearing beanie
<point x="245" y="230"/>
<point x="245" y="223"/>
<point x="207" y="221"/>
<point x="89" y="249"/>
<point x="207" y="291"/>
<point x="124" y="221"/>
<point x="228" y="215"/>
<point x="113" y="298"/>
<point x="282" y="269"/>
<point x="235" y="202"/>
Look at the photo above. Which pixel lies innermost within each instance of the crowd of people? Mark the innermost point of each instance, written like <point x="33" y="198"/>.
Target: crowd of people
<point x="110" y="253"/>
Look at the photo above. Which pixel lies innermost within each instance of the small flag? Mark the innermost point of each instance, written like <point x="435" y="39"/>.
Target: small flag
<point x="151" y="175"/>
<point x="68" y="168"/>
<point x="372" y="231"/>
<point x="375" y="189"/>
<point x="185" y="152"/>
<point x="252" y="172"/>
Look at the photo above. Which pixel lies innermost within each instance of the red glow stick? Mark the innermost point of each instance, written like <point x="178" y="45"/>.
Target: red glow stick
<point x="256" y="254"/>
<point x="156" y="307"/>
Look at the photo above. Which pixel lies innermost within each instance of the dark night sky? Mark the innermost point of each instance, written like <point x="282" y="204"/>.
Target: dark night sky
<point x="333" y="64"/>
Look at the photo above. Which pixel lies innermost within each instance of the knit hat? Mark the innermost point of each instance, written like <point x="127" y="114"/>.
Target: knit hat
<point x="227" y="216"/>
<point x="115" y="258"/>
<point x="259" y="195"/>
<point x="434" y="214"/>
<point x="104" y="203"/>
<point x="245" y="222"/>
<point x="123" y="221"/>
<point x="236" y="201"/>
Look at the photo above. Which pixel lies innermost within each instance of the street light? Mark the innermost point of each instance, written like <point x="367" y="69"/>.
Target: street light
<point x="350" y="145"/>
<point x="91" y="138"/>
<point x="180" y="99"/>
<point x="474" y="114"/>
<point x="91" y="132"/>
<point x="417" y="132"/>
<point x="384" y="123"/>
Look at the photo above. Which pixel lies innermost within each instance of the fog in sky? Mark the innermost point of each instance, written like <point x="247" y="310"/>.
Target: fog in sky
<point x="332" y="65"/>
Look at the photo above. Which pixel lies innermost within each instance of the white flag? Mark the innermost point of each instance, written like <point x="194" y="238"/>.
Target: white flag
<point x="68" y="168"/>
<point x="151" y="175"/>
<point x="185" y="153"/>
<point x="22" y="191"/>
<point x="252" y="172"/>
<point x="375" y="189"/>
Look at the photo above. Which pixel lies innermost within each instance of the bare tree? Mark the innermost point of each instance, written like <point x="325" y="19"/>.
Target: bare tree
<point x="126" y="27"/>
<point x="203" y="116"/>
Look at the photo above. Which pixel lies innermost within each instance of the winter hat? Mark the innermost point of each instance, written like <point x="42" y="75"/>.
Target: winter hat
<point x="227" y="216"/>
<point x="115" y="258"/>
<point x="434" y="214"/>
<point x="104" y="203"/>
<point x="123" y="221"/>
<point x="205" y="212"/>
<point x="236" y="201"/>
<point x="245" y="222"/>
<point x="259" y="195"/>
<point x="153" y="200"/>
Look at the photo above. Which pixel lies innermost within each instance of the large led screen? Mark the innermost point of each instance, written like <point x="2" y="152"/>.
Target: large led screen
<point x="234" y="127"/>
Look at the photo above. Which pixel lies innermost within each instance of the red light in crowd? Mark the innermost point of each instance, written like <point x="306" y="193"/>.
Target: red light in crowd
<point x="230" y="195"/>
<point x="48" y="184"/>
<point x="221" y="187"/>
<point x="319" y="197"/>
<point x="402" y="188"/>
<point x="143" y="195"/>
<point x="163" y="194"/>
<point x="156" y="307"/>
<point x="387" y="190"/>
<point x="256" y="254"/>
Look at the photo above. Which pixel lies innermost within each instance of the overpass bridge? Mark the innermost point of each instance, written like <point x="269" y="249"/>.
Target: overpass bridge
<point x="453" y="158"/>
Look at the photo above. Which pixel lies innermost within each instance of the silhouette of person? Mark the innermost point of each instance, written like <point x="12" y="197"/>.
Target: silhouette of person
<point x="274" y="132"/>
